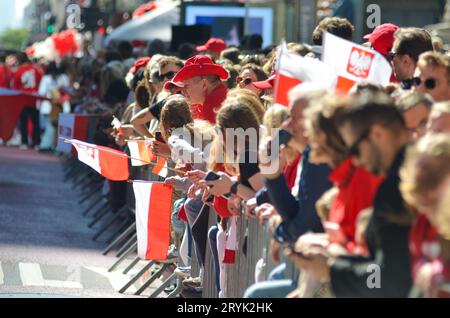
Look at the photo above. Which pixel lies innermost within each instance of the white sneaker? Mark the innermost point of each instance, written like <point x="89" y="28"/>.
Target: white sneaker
<point x="24" y="147"/>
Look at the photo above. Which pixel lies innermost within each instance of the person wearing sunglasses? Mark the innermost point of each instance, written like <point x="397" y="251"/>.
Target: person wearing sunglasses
<point x="249" y="74"/>
<point x="375" y="131"/>
<point x="167" y="67"/>
<point x="432" y="76"/>
<point x="409" y="43"/>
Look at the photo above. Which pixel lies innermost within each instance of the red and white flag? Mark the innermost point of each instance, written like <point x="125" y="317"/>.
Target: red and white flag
<point x="110" y="163"/>
<point x="294" y="69"/>
<point x="231" y="245"/>
<point x="161" y="167"/>
<point x="140" y="153"/>
<point x="71" y="126"/>
<point x="354" y="63"/>
<point x="153" y="211"/>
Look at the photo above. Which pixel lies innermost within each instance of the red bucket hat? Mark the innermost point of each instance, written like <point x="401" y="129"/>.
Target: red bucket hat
<point x="200" y="65"/>
<point x="267" y="84"/>
<point x="213" y="44"/>
<point x="382" y="37"/>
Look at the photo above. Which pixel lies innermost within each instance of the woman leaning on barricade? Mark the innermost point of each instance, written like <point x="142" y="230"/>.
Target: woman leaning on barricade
<point x="235" y="174"/>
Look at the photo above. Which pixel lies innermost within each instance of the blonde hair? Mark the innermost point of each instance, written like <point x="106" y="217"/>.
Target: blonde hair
<point x="426" y="166"/>
<point x="247" y="97"/>
<point x="325" y="202"/>
<point x="274" y="117"/>
<point x="435" y="59"/>
<point x="443" y="214"/>
<point x="442" y="107"/>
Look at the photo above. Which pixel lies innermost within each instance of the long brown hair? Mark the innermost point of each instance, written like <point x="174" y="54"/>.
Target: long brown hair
<point x="232" y="116"/>
<point x="320" y="118"/>
<point x="174" y="114"/>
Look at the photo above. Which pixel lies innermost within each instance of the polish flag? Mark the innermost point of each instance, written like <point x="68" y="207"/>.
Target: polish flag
<point x="140" y="153"/>
<point x="153" y="211"/>
<point x="110" y="163"/>
<point x="294" y="69"/>
<point x="231" y="245"/>
<point x="161" y="168"/>
<point x="354" y="63"/>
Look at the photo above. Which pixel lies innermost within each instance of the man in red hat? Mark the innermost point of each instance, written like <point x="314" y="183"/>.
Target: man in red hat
<point x="382" y="39"/>
<point x="202" y="85"/>
<point x="213" y="48"/>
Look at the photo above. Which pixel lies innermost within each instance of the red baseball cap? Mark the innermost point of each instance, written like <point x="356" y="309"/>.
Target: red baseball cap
<point x="213" y="44"/>
<point x="382" y="37"/>
<point x="200" y="65"/>
<point x="140" y="63"/>
<point x="267" y="84"/>
<point x="171" y="84"/>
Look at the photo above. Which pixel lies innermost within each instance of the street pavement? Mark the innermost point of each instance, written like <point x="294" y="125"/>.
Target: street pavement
<point x="46" y="247"/>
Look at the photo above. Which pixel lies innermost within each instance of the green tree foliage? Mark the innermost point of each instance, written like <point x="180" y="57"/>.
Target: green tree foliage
<point x="13" y="39"/>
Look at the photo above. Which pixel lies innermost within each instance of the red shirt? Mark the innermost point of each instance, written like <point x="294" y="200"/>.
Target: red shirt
<point x="220" y="204"/>
<point x="357" y="189"/>
<point x="5" y="76"/>
<point x="27" y="78"/>
<point x="290" y="172"/>
<point x="424" y="248"/>
<point x="212" y="104"/>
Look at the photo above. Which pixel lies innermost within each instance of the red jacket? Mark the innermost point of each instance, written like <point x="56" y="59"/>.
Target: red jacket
<point x="213" y="102"/>
<point x="357" y="189"/>
<point x="27" y="78"/>
<point x="424" y="247"/>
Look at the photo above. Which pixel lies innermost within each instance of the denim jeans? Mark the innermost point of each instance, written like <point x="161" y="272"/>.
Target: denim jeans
<point x="278" y="272"/>
<point x="271" y="289"/>
<point x="212" y="235"/>
<point x="192" y="209"/>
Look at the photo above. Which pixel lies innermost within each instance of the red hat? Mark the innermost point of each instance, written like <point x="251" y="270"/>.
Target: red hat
<point x="382" y="37"/>
<point x="200" y="65"/>
<point x="138" y="43"/>
<point x="140" y="63"/>
<point x="213" y="44"/>
<point x="171" y="84"/>
<point x="267" y="84"/>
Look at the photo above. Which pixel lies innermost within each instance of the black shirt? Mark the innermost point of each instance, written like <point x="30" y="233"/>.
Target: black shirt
<point x="248" y="167"/>
<point x="156" y="108"/>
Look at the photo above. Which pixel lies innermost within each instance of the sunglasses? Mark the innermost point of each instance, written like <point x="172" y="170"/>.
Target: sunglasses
<point x="354" y="149"/>
<point x="168" y="75"/>
<point x="430" y="83"/>
<point x="245" y="81"/>
<point x="393" y="54"/>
